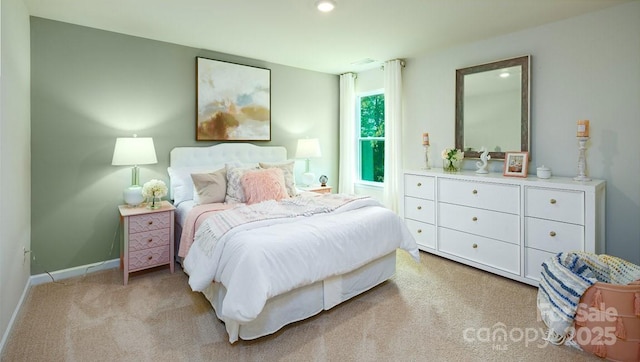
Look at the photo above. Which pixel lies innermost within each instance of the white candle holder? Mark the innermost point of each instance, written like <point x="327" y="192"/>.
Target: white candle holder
<point x="582" y="160"/>
<point x="426" y="165"/>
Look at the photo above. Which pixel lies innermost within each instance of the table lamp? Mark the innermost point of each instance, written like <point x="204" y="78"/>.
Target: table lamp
<point x="134" y="151"/>
<point x="308" y="148"/>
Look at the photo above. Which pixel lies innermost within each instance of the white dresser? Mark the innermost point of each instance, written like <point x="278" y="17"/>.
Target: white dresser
<point x="504" y="225"/>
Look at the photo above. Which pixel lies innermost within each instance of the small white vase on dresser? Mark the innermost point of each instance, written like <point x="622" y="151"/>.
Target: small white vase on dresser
<point x="504" y="225"/>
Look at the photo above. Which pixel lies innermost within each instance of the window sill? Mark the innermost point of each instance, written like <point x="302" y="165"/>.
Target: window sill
<point x="370" y="185"/>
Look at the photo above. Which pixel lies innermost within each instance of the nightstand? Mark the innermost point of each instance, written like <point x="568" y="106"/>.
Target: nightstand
<point x="148" y="238"/>
<point x="317" y="189"/>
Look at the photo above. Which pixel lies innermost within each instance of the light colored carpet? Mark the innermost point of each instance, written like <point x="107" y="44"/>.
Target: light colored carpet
<point x="437" y="310"/>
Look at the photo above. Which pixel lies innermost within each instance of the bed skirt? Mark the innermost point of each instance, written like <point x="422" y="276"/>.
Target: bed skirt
<point x="304" y="302"/>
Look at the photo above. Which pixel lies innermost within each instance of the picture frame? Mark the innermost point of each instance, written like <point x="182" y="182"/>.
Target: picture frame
<point x="233" y="101"/>
<point x="516" y="164"/>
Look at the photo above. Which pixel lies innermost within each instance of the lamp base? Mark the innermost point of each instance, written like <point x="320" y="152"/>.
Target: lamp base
<point x="133" y="195"/>
<point x="307" y="178"/>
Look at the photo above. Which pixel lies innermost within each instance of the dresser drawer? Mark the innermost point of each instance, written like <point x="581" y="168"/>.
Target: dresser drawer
<point x="146" y="222"/>
<point x="419" y="186"/>
<point x="491" y="196"/>
<point x="425" y="234"/>
<point x="534" y="260"/>
<point x="493" y="253"/>
<point x="553" y="236"/>
<point x="491" y="224"/>
<point x="552" y="204"/>
<point x="149" y="239"/>
<point x="149" y="257"/>
<point x="419" y="209"/>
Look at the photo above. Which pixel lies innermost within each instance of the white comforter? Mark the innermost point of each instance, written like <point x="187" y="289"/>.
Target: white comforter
<point x="259" y="260"/>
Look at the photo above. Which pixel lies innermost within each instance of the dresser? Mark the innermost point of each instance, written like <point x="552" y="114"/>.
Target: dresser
<point x="504" y="225"/>
<point x="147" y="238"/>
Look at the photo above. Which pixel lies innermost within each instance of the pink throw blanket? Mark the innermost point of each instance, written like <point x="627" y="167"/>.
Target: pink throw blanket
<point x="196" y="216"/>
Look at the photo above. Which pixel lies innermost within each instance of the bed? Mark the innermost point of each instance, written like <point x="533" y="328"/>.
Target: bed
<point x="300" y="256"/>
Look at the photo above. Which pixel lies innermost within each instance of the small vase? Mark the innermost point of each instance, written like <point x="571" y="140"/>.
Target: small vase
<point x="154" y="203"/>
<point x="451" y="165"/>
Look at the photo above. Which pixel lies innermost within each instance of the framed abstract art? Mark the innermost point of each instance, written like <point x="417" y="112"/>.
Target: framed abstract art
<point x="233" y="101"/>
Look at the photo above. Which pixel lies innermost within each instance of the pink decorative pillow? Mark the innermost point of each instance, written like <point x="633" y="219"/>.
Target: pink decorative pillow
<point x="262" y="185"/>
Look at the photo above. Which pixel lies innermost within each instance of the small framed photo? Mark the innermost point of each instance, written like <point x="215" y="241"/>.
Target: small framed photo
<point x="516" y="164"/>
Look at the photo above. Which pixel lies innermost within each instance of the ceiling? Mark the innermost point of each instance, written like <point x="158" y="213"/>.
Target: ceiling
<point x="294" y="33"/>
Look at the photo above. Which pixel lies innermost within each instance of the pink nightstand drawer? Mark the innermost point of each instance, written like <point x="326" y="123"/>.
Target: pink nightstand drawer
<point x="146" y="222"/>
<point x="149" y="257"/>
<point x="149" y="239"/>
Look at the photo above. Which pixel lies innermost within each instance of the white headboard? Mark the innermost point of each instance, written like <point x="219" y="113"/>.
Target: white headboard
<point x="186" y="160"/>
<point x="224" y="153"/>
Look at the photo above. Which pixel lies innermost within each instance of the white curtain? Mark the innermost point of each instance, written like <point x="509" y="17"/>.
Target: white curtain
<point x="347" y="133"/>
<point x="393" y="132"/>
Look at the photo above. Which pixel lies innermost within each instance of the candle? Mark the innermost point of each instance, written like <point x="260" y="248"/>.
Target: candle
<point x="583" y="128"/>
<point x="425" y="139"/>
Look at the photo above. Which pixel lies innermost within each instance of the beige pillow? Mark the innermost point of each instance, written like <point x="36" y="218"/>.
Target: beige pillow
<point x="287" y="170"/>
<point x="209" y="188"/>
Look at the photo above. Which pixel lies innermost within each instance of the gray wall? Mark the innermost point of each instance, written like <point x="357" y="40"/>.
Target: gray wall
<point x="586" y="67"/>
<point x="91" y="86"/>
<point x="14" y="159"/>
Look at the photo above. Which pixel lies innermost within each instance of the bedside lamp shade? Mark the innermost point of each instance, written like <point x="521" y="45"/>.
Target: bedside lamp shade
<point x="134" y="151"/>
<point x="308" y="148"/>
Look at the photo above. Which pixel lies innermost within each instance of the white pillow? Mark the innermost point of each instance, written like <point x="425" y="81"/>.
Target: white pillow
<point x="180" y="184"/>
<point x="235" y="171"/>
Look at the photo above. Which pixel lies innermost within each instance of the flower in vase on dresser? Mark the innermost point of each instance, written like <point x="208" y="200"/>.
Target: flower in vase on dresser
<point x="154" y="190"/>
<point x="452" y="159"/>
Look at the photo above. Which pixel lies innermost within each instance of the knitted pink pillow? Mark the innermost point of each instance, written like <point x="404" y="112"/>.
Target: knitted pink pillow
<point x="264" y="184"/>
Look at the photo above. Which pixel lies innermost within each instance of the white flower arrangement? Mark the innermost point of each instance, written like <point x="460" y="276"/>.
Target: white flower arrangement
<point x="452" y="158"/>
<point x="451" y="154"/>
<point x="154" y="188"/>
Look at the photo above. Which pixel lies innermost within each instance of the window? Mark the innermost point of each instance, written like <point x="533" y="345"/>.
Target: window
<point x="370" y="116"/>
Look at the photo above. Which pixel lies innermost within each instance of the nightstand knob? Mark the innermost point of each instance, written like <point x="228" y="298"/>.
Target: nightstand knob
<point x="419" y="184"/>
<point x="475" y="192"/>
<point x="474" y="218"/>
<point x="552" y="201"/>
<point x="553" y="233"/>
<point x="419" y="231"/>
<point x="475" y="246"/>
<point x="419" y="207"/>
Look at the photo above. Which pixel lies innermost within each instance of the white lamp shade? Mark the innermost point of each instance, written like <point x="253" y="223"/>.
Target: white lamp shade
<point x="308" y="148"/>
<point x="134" y="151"/>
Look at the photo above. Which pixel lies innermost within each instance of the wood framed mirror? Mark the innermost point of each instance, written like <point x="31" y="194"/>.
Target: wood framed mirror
<point x="492" y="108"/>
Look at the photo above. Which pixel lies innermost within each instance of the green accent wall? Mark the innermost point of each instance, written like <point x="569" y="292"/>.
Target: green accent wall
<point x="89" y="87"/>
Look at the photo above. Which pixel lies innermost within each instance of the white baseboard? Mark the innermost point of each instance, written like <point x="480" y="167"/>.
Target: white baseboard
<point x="14" y="316"/>
<point x="74" y="272"/>
<point x="57" y="275"/>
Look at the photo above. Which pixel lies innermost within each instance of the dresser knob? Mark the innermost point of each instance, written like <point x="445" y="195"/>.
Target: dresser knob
<point x="474" y="192"/>
<point x="475" y="246"/>
<point x="149" y="258"/>
<point x="553" y="233"/>
<point x="150" y="240"/>
<point x="150" y="223"/>
<point x="552" y="201"/>
<point x="419" y="231"/>
<point x="474" y="218"/>
<point x="419" y="184"/>
<point x="419" y="207"/>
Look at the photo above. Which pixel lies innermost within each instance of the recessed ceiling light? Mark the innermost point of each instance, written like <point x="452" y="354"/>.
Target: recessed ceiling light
<point x="325" y="5"/>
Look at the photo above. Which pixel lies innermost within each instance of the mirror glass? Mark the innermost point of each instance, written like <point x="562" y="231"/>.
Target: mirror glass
<point x="492" y="108"/>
